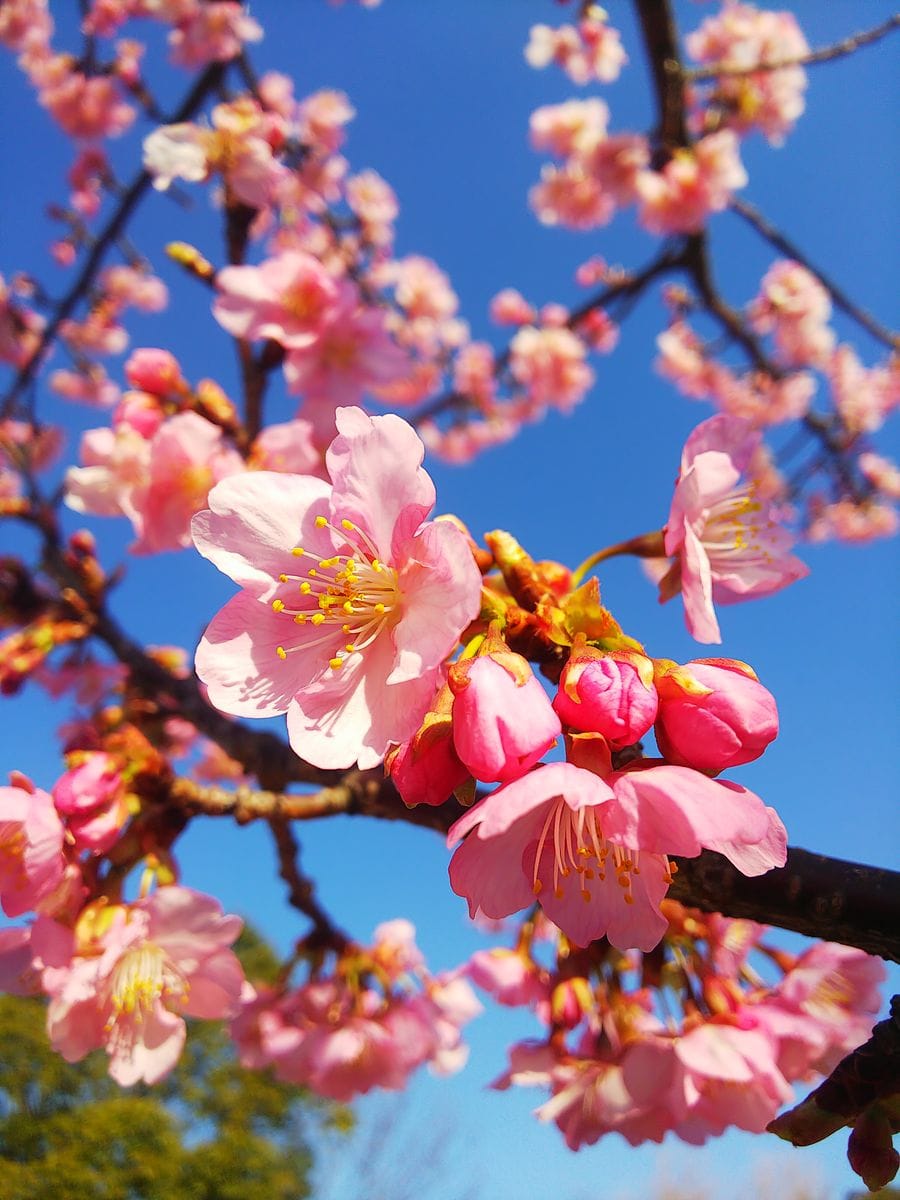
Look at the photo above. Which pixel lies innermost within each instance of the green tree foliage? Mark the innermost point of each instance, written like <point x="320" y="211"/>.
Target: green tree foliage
<point x="210" y="1131"/>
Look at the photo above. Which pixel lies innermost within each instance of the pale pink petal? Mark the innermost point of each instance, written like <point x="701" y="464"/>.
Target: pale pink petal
<point x="254" y="521"/>
<point x="238" y="661"/>
<point x="490" y="876"/>
<point x="148" y="1051"/>
<point x="758" y="856"/>
<point x="379" y="484"/>
<point x="441" y="586"/>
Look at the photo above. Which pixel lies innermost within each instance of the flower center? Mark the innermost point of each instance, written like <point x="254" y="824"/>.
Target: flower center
<point x="740" y="525"/>
<point x="143" y="974"/>
<point x="349" y="598"/>
<point x="577" y="846"/>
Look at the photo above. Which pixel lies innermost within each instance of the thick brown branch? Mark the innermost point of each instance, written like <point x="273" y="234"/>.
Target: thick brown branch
<point x="105" y="239"/>
<point x="847" y="45"/>
<point x="814" y="895"/>
<point x="661" y="43"/>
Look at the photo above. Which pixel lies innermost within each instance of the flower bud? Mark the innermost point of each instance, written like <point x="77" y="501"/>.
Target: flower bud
<point x="730" y="724"/>
<point x="502" y="722"/>
<point x="606" y="695"/>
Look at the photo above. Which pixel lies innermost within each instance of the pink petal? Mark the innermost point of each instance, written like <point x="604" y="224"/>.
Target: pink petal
<point x="379" y="484"/>
<point x="238" y="661"/>
<point x="255" y="520"/>
<point x="674" y="810"/>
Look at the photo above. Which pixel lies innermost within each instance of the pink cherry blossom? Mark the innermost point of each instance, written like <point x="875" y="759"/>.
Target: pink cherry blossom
<point x="742" y="36"/>
<point x="590" y="50"/>
<point x="549" y="365"/>
<point x="350" y="647"/>
<point x="157" y="961"/>
<point x="728" y="543"/>
<point x="287" y="447"/>
<point x="694" y="183"/>
<point x="188" y="456"/>
<point x="289" y="299"/>
<point x="508" y="977"/>
<point x="595" y="852"/>
<point x="213" y="33"/>
<point x="31" y="840"/>
<point x="794" y="307"/>
<point x="352" y="353"/>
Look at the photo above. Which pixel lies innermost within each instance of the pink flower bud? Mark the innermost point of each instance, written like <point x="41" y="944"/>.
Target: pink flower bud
<point x="92" y="798"/>
<point x="606" y="695"/>
<point x="502" y="724"/>
<point x="140" y="411"/>
<point x="731" y="724"/>
<point x="428" y="774"/>
<point x="155" y="371"/>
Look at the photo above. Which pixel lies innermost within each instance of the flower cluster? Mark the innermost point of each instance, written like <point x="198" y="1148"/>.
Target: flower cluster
<point x="720" y="1050"/>
<point x="371" y="1021"/>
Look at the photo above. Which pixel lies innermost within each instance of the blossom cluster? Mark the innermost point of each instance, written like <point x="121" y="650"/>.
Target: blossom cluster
<point x="696" y="1039"/>
<point x="374" y="1018"/>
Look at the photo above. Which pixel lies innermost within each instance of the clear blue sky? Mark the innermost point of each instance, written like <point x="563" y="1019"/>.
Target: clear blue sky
<point x="443" y="97"/>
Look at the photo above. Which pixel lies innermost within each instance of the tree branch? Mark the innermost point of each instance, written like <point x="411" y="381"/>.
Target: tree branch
<point x="766" y="229"/>
<point x="847" y="45"/>
<point x="813" y="894"/>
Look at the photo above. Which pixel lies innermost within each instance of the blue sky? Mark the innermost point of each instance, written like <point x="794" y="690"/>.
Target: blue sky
<point x="443" y="97"/>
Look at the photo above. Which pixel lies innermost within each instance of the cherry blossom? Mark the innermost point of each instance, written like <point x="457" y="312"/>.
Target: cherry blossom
<point x="155" y="962"/>
<point x="727" y="540"/>
<point x="351" y="647"/>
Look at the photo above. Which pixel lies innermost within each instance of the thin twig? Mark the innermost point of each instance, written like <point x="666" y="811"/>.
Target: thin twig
<point x="847" y="45"/>
<point x="301" y="892"/>
<point x="131" y="197"/>
<point x="751" y="214"/>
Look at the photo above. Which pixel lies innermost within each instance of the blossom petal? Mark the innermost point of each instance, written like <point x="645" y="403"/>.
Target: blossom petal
<point x="379" y="483"/>
<point x="255" y="520"/>
<point x="238" y="661"/>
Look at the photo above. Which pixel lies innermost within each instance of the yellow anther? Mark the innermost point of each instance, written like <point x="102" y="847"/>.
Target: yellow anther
<point x="350" y="648"/>
<point x="318" y="618"/>
<point x="345" y="524"/>
<point x="334" y="663"/>
<point x="347" y="606"/>
<point x="300" y="619"/>
<point x="281" y="652"/>
<point x="305" y="588"/>
<point x="283" y="578"/>
<point x="377" y="565"/>
<point x="380" y="609"/>
<point x="345" y="629"/>
<point x="278" y="605"/>
<point x="298" y="552"/>
<point x="313" y="572"/>
<point x="321" y="522"/>
<point x="328" y="563"/>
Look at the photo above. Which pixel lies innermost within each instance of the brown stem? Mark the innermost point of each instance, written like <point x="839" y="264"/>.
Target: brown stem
<point x="301" y="892"/>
